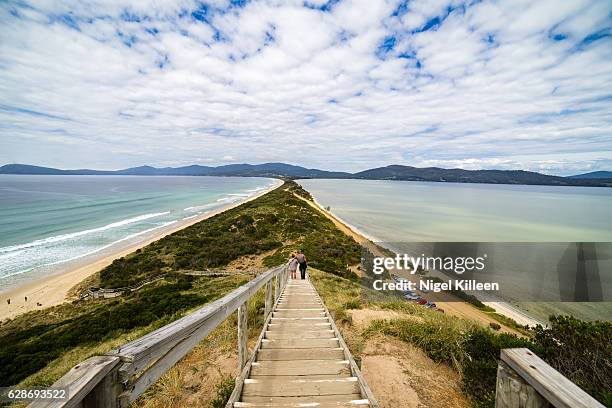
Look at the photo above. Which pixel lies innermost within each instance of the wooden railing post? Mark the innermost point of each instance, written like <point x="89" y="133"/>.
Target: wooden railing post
<point x="277" y="287"/>
<point x="243" y="335"/>
<point x="525" y="380"/>
<point x="268" y="300"/>
<point x="513" y="391"/>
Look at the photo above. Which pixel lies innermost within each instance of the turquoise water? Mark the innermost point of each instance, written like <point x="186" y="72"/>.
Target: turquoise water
<point x="398" y="211"/>
<point x="47" y="221"/>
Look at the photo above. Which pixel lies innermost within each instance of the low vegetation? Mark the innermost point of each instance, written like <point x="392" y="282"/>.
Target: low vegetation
<point x="277" y="221"/>
<point x="30" y="343"/>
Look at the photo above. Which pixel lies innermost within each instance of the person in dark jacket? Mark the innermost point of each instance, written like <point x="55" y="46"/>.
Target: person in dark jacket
<point x="301" y="258"/>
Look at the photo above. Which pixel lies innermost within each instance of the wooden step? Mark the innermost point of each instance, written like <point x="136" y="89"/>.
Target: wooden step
<point x="298" y="313"/>
<point x="300" y="388"/>
<point x="299" y="290"/>
<point x="286" y="296"/>
<point x="280" y="402"/>
<point x="299" y="305"/>
<point x="304" y="367"/>
<point x="298" y="343"/>
<point x="299" y="326"/>
<point x="297" y="377"/>
<point x="302" y="354"/>
<point x="288" y="333"/>
<point x="313" y="320"/>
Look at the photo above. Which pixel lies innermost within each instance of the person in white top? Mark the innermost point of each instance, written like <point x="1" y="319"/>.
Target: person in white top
<point x="293" y="264"/>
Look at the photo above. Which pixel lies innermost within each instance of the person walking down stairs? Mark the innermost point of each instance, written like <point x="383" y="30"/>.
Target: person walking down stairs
<point x="301" y="258"/>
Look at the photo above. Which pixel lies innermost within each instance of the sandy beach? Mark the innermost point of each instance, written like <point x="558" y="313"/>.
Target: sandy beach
<point x="53" y="290"/>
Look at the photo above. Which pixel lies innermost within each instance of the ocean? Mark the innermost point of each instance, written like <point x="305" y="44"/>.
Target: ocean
<point x="549" y="247"/>
<point x="47" y="222"/>
<point x="398" y="211"/>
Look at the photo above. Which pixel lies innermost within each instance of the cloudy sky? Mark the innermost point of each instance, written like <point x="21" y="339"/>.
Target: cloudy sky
<point x="342" y="85"/>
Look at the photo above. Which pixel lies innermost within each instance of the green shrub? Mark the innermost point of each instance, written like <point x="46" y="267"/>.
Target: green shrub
<point x="223" y="392"/>
<point x="580" y="350"/>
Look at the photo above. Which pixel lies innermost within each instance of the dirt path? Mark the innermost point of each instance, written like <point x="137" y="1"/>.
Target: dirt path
<point x="401" y="375"/>
<point x="457" y="308"/>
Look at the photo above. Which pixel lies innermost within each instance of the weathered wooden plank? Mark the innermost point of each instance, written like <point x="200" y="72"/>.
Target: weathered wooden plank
<point x="304" y="367"/>
<point x="551" y="384"/>
<point x="298" y="313"/>
<point x="243" y="336"/>
<point x="311" y="404"/>
<point x="268" y="300"/>
<point x="277" y="288"/>
<point x="314" y="399"/>
<point x="512" y="391"/>
<point x="80" y="381"/>
<point x="297" y="388"/>
<point x="296" y="377"/>
<point x="304" y="354"/>
<point x="288" y="333"/>
<point x="299" y="326"/>
<point x="299" y="343"/>
<point x="299" y="305"/>
<point x="299" y="319"/>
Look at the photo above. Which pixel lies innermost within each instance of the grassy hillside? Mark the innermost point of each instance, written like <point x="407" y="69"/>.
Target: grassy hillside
<point x="276" y="221"/>
<point x="38" y="347"/>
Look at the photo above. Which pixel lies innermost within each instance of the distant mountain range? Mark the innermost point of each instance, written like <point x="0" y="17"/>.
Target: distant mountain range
<point x="393" y="172"/>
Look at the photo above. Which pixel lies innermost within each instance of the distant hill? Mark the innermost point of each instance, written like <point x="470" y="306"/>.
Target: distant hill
<point x="408" y="173"/>
<point x="245" y="170"/>
<point x="594" y="175"/>
<point x="28" y="169"/>
<point x="393" y="172"/>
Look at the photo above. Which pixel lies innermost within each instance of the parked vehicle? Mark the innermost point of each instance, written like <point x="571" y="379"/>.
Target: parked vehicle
<point x="416" y="298"/>
<point x="430" y="305"/>
<point x="422" y="302"/>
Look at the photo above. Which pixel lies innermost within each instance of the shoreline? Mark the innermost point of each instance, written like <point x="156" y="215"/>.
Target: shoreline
<point x="459" y="308"/>
<point x="53" y="290"/>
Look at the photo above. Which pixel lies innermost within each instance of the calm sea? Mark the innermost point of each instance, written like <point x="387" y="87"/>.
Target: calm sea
<point x="548" y="247"/>
<point x="397" y="211"/>
<point x="47" y="221"/>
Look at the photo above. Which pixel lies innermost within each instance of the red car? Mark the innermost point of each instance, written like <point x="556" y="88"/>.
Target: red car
<point x="421" y="302"/>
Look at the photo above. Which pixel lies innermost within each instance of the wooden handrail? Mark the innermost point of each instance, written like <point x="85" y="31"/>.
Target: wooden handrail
<point x="122" y="375"/>
<point x="525" y="380"/>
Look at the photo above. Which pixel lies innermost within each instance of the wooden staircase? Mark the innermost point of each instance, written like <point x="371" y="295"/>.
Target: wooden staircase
<point x="301" y="359"/>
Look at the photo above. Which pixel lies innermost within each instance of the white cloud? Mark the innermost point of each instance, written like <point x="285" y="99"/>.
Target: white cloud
<point x="345" y="85"/>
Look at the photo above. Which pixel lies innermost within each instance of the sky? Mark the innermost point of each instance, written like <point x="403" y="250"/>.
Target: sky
<point x="338" y="85"/>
